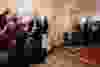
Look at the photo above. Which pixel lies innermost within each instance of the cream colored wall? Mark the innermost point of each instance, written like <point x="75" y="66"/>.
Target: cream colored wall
<point x="49" y="7"/>
<point x="3" y="3"/>
<point x="11" y="3"/>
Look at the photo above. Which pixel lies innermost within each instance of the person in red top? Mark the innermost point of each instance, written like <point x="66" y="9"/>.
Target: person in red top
<point x="90" y="55"/>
